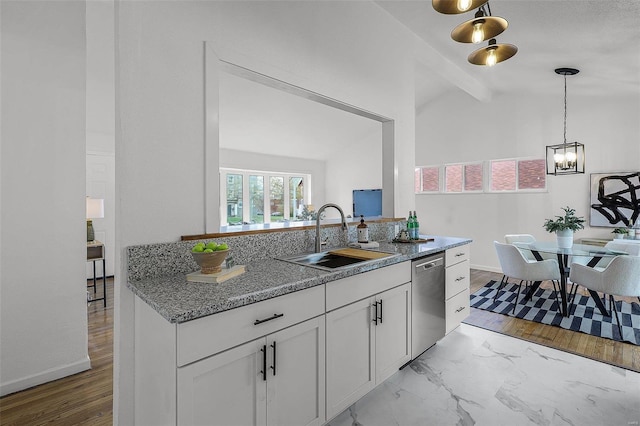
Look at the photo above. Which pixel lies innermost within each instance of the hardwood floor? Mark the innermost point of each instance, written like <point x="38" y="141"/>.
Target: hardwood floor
<point x="621" y="354"/>
<point x="86" y="398"/>
<point x="82" y="399"/>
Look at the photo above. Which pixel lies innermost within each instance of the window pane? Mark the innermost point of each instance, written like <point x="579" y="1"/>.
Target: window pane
<point x="473" y="177"/>
<point x="276" y="198"/>
<point x="296" y="194"/>
<point x="531" y="174"/>
<point x="256" y="199"/>
<point x="430" y="179"/>
<point x="503" y="175"/>
<point x="453" y="178"/>
<point x="234" y="199"/>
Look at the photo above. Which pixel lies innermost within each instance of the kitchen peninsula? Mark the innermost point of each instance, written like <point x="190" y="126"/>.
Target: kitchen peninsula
<point x="280" y="344"/>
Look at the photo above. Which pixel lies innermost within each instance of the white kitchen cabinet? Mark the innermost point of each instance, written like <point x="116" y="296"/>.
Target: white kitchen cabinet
<point x="208" y="371"/>
<point x="367" y="341"/>
<point x="274" y="380"/>
<point x="457" y="281"/>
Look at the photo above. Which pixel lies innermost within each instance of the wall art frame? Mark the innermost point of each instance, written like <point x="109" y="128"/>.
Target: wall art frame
<point x="614" y="199"/>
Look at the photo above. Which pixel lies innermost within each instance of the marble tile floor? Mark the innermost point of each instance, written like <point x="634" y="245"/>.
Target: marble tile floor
<point x="478" y="377"/>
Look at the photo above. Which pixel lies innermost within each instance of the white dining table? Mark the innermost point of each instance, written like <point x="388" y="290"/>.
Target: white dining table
<point x="587" y="254"/>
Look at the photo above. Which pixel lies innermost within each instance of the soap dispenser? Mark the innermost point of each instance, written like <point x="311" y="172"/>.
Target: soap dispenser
<point x="363" y="231"/>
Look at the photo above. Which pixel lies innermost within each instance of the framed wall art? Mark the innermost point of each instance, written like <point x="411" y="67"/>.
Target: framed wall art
<point x="615" y="199"/>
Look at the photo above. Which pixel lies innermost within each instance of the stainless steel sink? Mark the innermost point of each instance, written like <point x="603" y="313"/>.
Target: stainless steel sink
<point x="337" y="259"/>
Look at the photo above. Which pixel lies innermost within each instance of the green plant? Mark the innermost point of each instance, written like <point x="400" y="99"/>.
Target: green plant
<point x="623" y="231"/>
<point x="568" y="221"/>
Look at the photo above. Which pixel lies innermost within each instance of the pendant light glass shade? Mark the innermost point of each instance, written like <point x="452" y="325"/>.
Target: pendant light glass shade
<point x="454" y="7"/>
<point x="492" y="54"/>
<point x="479" y="29"/>
<point x="566" y="158"/>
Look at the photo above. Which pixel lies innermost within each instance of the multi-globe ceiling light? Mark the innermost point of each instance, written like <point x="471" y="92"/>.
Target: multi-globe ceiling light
<point x="481" y="28"/>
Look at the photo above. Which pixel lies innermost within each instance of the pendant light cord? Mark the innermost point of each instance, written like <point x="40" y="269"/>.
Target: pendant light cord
<point x="565" y="111"/>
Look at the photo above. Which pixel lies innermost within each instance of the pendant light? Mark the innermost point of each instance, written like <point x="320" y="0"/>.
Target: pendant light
<point x="454" y="7"/>
<point x="492" y="54"/>
<point x="479" y="29"/>
<point x="568" y="157"/>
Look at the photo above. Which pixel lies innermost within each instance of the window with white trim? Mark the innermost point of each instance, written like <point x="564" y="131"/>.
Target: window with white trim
<point x="504" y="175"/>
<point x="270" y="196"/>
<point x="515" y="174"/>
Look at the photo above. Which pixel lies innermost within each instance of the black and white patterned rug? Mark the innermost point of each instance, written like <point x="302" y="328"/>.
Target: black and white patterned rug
<point x="543" y="308"/>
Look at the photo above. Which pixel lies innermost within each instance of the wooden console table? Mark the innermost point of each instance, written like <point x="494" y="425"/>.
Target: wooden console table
<point x="95" y="253"/>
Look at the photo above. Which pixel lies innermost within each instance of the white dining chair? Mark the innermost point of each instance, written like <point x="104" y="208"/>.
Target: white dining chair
<point x="521" y="238"/>
<point x="514" y="265"/>
<point x="621" y="277"/>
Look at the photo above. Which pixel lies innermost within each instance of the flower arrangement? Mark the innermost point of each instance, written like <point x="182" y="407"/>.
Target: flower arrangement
<point x="567" y="222"/>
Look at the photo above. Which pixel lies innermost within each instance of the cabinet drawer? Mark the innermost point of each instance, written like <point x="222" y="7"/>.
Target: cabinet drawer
<point x="357" y="287"/>
<point x="457" y="309"/>
<point x="457" y="254"/>
<point x="203" y="337"/>
<point x="457" y="279"/>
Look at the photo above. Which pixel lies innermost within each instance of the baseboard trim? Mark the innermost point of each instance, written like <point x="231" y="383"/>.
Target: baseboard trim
<point x="45" y="376"/>
<point x="487" y="268"/>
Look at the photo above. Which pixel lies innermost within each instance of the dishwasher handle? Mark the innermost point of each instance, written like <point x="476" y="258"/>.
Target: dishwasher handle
<point x="432" y="263"/>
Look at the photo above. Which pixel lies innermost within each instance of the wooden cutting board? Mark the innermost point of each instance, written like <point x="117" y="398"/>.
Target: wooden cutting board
<point x="360" y="254"/>
<point x="218" y="277"/>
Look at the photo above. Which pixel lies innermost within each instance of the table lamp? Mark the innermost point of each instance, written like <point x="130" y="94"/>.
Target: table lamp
<point x="95" y="210"/>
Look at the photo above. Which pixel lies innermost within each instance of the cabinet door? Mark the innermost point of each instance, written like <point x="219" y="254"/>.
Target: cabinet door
<point x="393" y="332"/>
<point x="350" y="355"/>
<point x="225" y="389"/>
<point x="296" y="375"/>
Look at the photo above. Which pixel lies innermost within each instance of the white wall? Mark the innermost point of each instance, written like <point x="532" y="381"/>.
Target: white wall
<point x="43" y="321"/>
<point x="101" y="123"/>
<point x="456" y="128"/>
<point x="350" y="51"/>
<point x="355" y="165"/>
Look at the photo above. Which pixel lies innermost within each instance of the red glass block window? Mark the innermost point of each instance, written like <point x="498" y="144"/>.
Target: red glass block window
<point x="503" y="175"/>
<point x="473" y="177"/>
<point x="430" y="178"/>
<point x="453" y="178"/>
<point x="532" y="174"/>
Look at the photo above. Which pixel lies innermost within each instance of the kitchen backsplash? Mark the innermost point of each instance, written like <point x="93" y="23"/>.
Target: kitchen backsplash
<point x="154" y="260"/>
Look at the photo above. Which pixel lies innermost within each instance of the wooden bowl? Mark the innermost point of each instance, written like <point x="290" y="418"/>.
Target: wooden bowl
<point x="210" y="263"/>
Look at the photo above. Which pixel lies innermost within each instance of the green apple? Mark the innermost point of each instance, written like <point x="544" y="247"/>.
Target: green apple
<point x="211" y="245"/>
<point x="222" y="246"/>
<point x="208" y="250"/>
<point x="198" y="248"/>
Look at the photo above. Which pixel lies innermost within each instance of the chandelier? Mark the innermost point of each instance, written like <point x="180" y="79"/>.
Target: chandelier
<point x="568" y="157"/>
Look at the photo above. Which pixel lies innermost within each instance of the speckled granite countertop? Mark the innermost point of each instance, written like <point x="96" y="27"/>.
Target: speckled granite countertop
<point x="178" y="300"/>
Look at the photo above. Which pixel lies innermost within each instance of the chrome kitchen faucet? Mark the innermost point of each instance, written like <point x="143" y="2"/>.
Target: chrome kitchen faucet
<point x="320" y="210"/>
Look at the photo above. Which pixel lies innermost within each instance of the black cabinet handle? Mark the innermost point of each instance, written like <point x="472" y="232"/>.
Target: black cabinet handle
<point x="273" y="367"/>
<point x="460" y="278"/>
<point x="460" y="309"/>
<point x="380" y="318"/>
<point x="260" y="321"/>
<point x="375" y="314"/>
<point x="264" y="362"/>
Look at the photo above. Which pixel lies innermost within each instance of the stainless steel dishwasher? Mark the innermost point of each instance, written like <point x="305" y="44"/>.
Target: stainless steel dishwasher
<point x="427" y="303"/>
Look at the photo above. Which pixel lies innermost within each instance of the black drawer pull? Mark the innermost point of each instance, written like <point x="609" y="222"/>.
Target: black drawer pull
<point x="460" y="278"/>
<point x="459" y="254"/>
<point x="460" y="309"/>
<point x="275" y="316"/>
<point x="264" y="362"/>
<point x="273" y="367"/>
